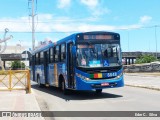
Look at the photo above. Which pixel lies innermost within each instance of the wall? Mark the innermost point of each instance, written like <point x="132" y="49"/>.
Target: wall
<point x="148" y="67"/>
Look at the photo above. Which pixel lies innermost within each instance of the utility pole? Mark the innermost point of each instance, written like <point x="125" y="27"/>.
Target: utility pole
<point x="156" y="40"/>
<point x="33" y="27"/>
<point x="31" y="8"/>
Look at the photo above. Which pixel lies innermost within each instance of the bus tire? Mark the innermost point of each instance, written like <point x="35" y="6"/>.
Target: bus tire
<point x="65" y="91"/>
<point x="39" y="83"/>
<point x="98" y="91"/>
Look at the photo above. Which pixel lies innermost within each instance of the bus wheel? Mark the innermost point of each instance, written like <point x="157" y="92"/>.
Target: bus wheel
<point x="65" y="91"/>
<point x="39" y="83"/>
<point x="98" y="91"/>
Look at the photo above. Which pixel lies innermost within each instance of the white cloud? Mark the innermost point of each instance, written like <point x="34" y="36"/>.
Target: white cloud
<point x="56" y="24"/>
<point x="63" y="3"/>
<point x="100" y="11"/>
<point x="86" y="27"/>
<point x="45" y="16"/>
<point x="49" y="23"/>
<point x="95" y="7"/>
<point x="19" y="24"/>
<point x="128" y="27"/>
<point x="145" y="19"/>
<point x="90" y="3"/>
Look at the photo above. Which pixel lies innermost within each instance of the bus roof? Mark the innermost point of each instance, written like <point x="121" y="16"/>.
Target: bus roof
<point x="43" y="48"/>
<point x="68" y="38"/>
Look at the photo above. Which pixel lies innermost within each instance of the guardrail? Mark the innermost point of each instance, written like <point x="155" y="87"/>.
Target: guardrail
<point x="15" y="80"/>
<point x="148" y="67"/>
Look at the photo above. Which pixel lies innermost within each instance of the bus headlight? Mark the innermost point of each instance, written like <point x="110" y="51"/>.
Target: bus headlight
<point x="83" y="77"/>
<point x="118" y="76"/>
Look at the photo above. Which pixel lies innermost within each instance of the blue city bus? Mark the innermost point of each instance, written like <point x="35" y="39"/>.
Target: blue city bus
<point x="81" y="61"/>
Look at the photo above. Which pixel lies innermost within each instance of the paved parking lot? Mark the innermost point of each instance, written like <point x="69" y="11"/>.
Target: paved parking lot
<point x="144" y="80"/>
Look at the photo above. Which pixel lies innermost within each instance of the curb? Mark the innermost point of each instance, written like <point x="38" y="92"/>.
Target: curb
<point x="139" y="86"/>
<point x="42" y="105"/>
<point x="142" y="75"/>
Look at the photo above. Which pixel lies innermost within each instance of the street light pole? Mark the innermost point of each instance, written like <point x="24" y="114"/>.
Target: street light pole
<point x="156" y="39"/>
<point x="33" y="28"/>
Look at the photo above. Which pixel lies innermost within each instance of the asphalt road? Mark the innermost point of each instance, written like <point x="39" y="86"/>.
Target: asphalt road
<point x="117" y="99"/>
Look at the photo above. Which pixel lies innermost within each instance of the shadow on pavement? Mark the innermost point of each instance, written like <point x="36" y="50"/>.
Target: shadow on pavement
<point x="74" y="95"/>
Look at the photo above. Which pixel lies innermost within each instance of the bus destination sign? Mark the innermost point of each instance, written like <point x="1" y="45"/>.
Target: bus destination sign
<point x="98" y="37"/>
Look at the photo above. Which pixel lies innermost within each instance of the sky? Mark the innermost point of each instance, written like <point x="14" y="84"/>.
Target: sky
<point x="137" y="21"/>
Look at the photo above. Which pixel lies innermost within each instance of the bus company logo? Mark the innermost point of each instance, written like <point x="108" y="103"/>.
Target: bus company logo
<point x="6" y="114"/>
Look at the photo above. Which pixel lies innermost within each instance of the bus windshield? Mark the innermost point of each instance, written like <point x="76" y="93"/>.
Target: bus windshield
<point x="98" y="55"/>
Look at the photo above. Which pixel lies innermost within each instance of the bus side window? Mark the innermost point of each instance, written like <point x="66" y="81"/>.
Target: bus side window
<point x="34" y="59"/>
<point x="51" y="55"/>
<point x="54" y="51"/>
<point x="41" y="57"/>
<point x="56" y="55"/>
<point x="63" y="52"/>
<point x="48" y="57"/>
<point x="37" y="60"/>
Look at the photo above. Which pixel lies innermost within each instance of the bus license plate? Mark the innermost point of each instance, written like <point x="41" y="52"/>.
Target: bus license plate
<point x="104" y="84"/>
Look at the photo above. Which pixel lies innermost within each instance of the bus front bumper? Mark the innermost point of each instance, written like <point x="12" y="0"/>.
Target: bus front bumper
<point x="98" y="84"/>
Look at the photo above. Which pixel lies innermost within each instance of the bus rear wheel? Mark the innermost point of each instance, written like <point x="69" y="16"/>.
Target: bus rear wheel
<point x="65" y="91"/>
<point x="98" y="91"/>
<point x="39" y="82"/>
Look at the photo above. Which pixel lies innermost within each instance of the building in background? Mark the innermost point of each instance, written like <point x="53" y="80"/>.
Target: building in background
<point x="13" y="53"/>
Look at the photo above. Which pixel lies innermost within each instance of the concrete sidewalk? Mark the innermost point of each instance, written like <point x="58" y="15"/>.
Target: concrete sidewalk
<point x="143" y="80"/>
<point x="18" y="100"/>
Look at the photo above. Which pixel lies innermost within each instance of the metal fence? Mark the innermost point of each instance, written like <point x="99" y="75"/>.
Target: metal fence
<point x="15" y="80"/>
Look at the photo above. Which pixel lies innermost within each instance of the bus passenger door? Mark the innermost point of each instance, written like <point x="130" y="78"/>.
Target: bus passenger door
<point x="70" y="65"/>
<point x="46" y="67"/>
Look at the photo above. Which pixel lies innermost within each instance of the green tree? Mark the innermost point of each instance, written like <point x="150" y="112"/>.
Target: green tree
<point x="17" y="65"/>
<point x="145" y="59"/>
